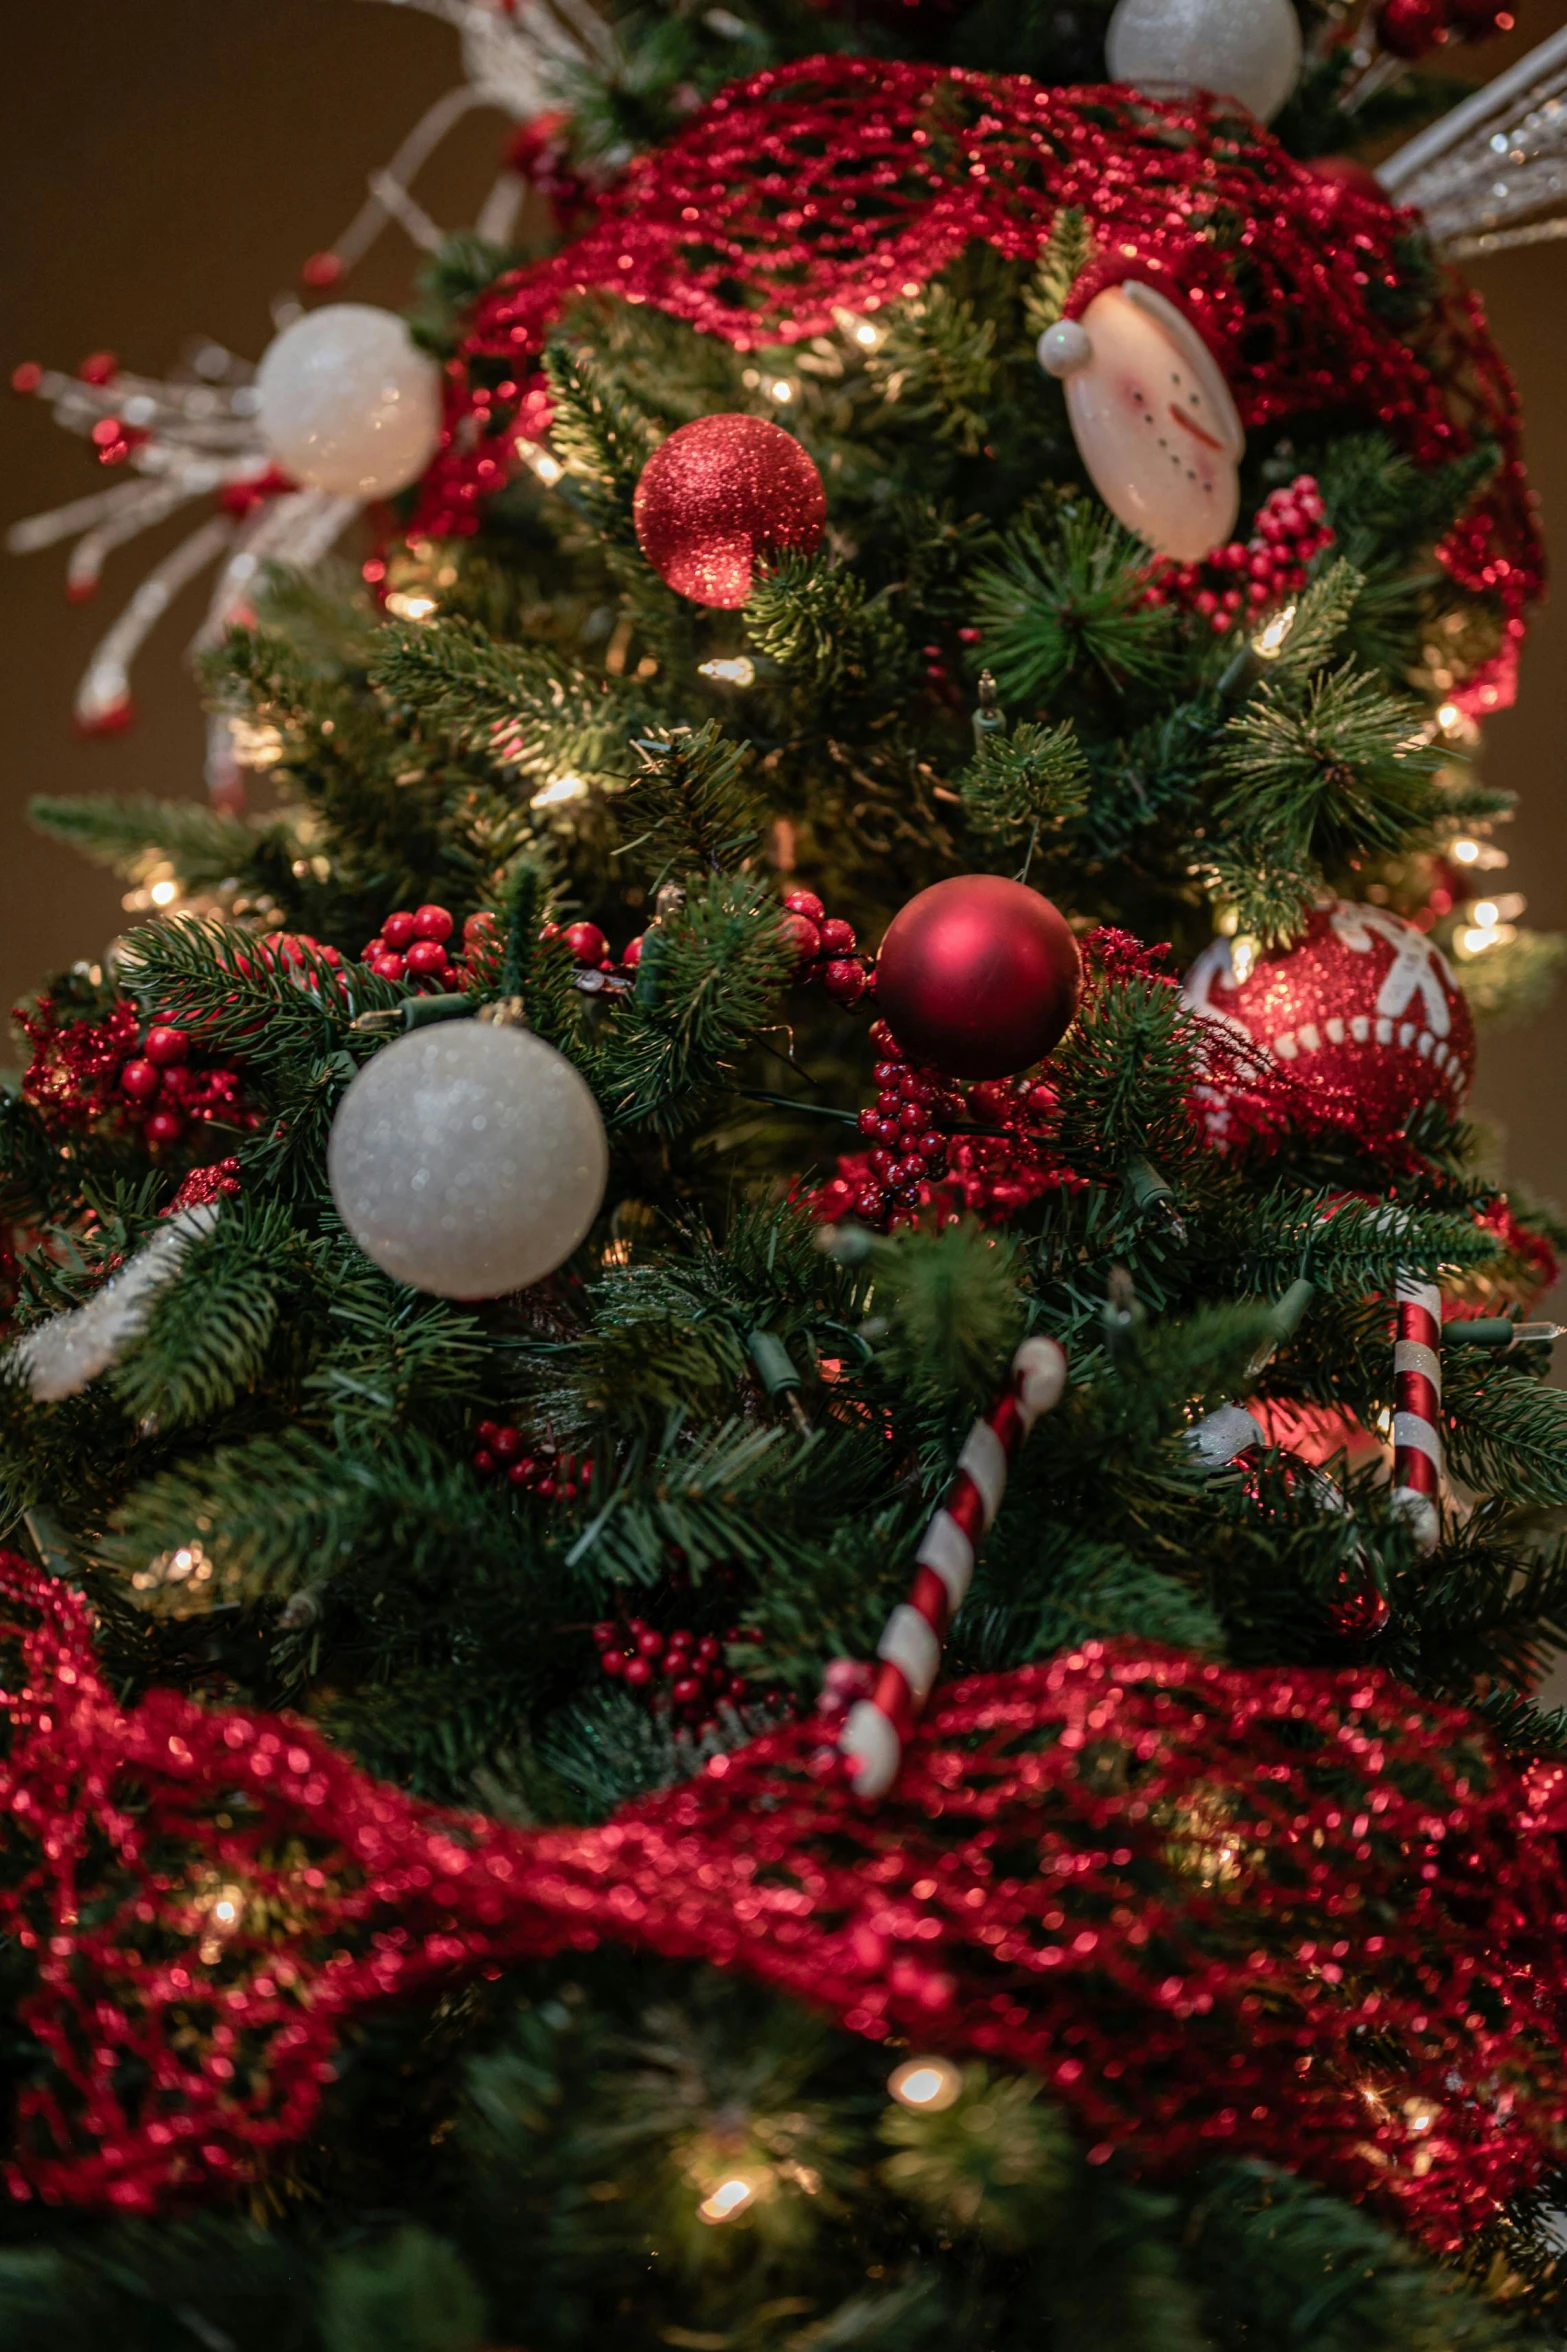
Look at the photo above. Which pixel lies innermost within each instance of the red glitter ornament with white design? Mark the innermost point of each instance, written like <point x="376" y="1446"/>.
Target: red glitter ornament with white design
<point x="1363" y="1012"/>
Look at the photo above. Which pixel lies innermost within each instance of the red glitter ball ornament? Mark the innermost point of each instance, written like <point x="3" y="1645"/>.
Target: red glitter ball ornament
<point x="720" y="494"/>
<point x="1363" y="1012"/>
<point x="978" y="976"/>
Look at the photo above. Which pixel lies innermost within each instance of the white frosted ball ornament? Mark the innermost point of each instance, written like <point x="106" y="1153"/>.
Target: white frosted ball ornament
<point x="1245" y="49"/>
<point x="1152" y="417"/>
<point x="347" y="403"/>
<point x="468" y="1159"/>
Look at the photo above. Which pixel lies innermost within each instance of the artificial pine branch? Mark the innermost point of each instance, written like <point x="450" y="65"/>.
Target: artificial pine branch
<point x="825" y="630"/>
<point x="1316" y="775"/>
<point x="1023" y="786"/>
<point x="1062" y="260"/>
<point x="515" y="705"/>
<point x="689" y="807"/>
<point x="599" y="436"/>
<point x="935" y="367"/>
<point x="206" y="849"/>
<point x="1064" y="603"/>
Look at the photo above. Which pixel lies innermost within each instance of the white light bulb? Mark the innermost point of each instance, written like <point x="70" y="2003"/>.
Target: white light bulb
<point x="729" y="2198"/>
<point x="926" y="2084"/>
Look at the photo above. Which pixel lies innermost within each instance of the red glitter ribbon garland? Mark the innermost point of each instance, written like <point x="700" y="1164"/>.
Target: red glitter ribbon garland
<point x="1299" y="1914"/>
<point x="845" y="182"/>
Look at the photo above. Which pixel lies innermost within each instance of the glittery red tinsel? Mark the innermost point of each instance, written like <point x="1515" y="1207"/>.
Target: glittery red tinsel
<point x="1299" y="1914"/>
<point x="75" y="1064"/>
<point x="843" y="182"/>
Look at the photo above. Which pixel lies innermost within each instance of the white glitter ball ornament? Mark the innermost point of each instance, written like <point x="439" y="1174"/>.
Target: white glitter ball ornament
<point x="1152" y="417"/>
<point x="1245" y="49"/>
<point x="347" y="404"/>
<point x="468" y="1159"/>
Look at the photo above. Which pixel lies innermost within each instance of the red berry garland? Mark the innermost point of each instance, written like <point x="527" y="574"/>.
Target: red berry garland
<point x="169" y="1093"/>
<point x="1259" y="575"/>
<point x="693" y="1666"/>
<point x="535" y="1466"/>
<point x="412" y="946"/>
<point x="826" y="947"/>
<point x="931" y="1148"/>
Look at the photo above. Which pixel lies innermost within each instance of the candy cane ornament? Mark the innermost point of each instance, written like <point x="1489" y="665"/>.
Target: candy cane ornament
<point x="878" y="1728"/>
<point x="1417" y="1408"/>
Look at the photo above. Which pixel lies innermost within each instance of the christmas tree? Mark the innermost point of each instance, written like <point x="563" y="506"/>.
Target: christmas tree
<point x="780" y="1507"/>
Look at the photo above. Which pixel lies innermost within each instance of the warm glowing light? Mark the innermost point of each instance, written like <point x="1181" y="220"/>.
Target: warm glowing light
<point x="227" y="1905"/>
<point x="1269" y="640"/>
<point x="1449" y="718"/>
<point x="926" y="2084"/>
<point x="548" y="469"/>
<point x="780" y="389"/>
<point x="729" y="2198"/>
<point x="164" y="893"/>
<point x="409" y="606"/>
<point x="1478" y="938"/>
<point x="1243" y="958"/>
<point x="254" y="743"/>
<point x="1466" y="852"/>
<point x="566" y="786"/>
<point x="866" y="336"/>
<point x="1487" y="913"/>
<point x="739" y="672"/>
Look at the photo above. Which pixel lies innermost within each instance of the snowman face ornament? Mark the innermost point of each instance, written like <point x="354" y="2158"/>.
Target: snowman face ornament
<point x="1152" y="417"/>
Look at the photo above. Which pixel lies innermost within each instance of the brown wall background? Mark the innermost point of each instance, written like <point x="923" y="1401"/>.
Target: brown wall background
<point x="164" y="168"/>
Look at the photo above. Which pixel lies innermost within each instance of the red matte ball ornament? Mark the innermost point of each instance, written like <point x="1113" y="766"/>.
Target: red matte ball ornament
<point x="721" y="494"/>
<point x="978" y="976"/>
<point x="1363" y="1011"/>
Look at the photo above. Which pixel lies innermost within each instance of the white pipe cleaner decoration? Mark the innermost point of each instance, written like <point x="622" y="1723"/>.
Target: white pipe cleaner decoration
<point x="61" y="1356"/>
<point x="1493" y="173"/>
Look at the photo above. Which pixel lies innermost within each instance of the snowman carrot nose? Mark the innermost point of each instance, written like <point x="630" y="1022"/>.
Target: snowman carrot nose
<point x="1189" y="424"/>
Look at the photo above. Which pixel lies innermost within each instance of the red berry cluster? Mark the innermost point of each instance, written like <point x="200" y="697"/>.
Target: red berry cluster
<point x="416" y="946"/>
<point x="296" y="956"/>
<point x="825" y="946"/>
<point x="905" y="1125"/>
<point x="412" y="946"/>
<point x="589" y="949"/>
<point x="926" y="1149"/>
<point x="168" y="1095"/>
<point x="692" y="1665"/>
<point x="1413" y="28"/>
<point x="539" y="1467"/>
<point x="1266" y="570"/>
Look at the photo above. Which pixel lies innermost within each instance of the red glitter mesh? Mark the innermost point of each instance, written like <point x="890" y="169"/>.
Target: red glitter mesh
<point x="845" y="181"/>
<point x="1300" y="1914"/>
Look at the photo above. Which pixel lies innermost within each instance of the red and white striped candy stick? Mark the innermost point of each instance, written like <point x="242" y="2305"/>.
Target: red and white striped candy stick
<point x="878" y="1728"/>
<point x="1417" y="1408"/>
